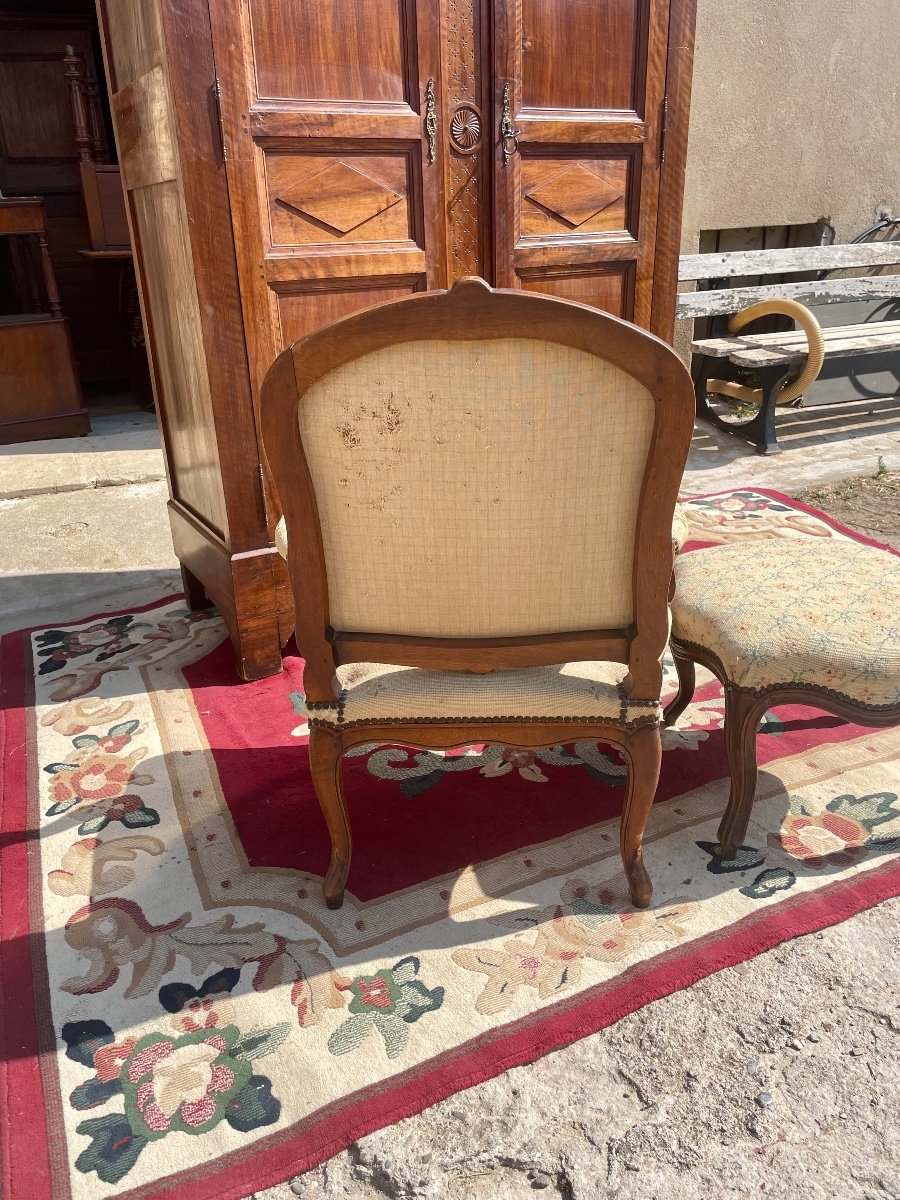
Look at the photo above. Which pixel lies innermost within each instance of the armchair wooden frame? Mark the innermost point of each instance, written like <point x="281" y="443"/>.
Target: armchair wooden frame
<point x="472" y="310"/>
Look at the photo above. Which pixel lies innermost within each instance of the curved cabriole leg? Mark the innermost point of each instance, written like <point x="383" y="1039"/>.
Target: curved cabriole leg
<point x="687" y="683"/>
<point x="643" y="749"/>
<point x="325" y="751"/>
<point x="743" y="713"/>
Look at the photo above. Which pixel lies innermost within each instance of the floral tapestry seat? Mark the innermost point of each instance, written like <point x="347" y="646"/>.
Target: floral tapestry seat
<point x="786" y="621"/>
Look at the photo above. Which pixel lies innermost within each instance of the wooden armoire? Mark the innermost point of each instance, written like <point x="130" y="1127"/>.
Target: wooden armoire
<point x="287" y="162"/>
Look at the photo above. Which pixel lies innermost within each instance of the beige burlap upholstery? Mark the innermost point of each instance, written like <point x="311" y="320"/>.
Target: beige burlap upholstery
<point x="453" y="479"/>
<point x="796" y="611"/>
<point x="579" y="691"/>
<point x="680" y="532"/>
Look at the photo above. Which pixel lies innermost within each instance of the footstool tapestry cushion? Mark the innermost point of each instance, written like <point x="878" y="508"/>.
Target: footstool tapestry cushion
<point x="822" y="613"/>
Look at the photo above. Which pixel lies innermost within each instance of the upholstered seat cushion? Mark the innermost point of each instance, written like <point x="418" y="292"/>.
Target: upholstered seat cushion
<point x="578" y="691"/>
<point x="820" y="612"/>
<point x="680" y="532"/>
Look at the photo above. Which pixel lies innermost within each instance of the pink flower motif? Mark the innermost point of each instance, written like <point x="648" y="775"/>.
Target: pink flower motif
<point x="222" y="1078"/>
<point x="148" y="1058"/>
<point x="204" y="1012"/>
<point x="184" y="1083"/>
<point x="198" y="1112"/>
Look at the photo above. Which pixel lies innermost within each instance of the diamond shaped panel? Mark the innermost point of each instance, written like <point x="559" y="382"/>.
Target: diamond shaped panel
<point x="575" y="195"/>
<point x="340" y="197"/>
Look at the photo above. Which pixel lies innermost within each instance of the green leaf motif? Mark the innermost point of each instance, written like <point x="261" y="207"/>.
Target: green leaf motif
<point x="84" y="740"/>
<point x="391" y="1001"/>
<point x="140" y="818"/>
<point x="419" y="1000"/>
<point x="253" y="1106"/>
<point x="394" y="1030"/>
<point x="419" y="784"/>
<point x="746" y="859"/>
<point x="772" y="725"/>
<point x="406" y="969"/>
<point x="870" y="810"/>
<point x="114" y="1148"/>
<point x="260" y="1042"/>
<point x="798" y="807"/>
<point x="61" y="806"/>
<point x="55" y="768"/>
<point x="94" y="1092"/>
<point x="768" y="883"/>
<point x="93" y="824"/>
<point x="352" y="1033"/>
<point x="885" y="845"/>
<point x="124" y="729"/>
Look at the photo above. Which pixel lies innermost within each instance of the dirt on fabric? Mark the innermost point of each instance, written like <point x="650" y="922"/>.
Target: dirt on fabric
<point x="870" y="505"/>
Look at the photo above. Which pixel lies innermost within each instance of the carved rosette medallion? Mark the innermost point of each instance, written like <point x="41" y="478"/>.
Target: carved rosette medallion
<point x="465" y="128"/>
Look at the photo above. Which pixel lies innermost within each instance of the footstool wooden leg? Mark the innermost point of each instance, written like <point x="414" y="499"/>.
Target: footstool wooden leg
<point x="687" y="682"/>
<point x="743" y="713"/>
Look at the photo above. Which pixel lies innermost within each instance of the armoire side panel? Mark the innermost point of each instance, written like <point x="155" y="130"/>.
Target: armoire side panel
<point x="160" y="65"/>
<point x="150" y="166"/>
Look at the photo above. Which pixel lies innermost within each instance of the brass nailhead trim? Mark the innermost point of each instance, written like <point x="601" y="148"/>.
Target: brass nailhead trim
<point x="650" y="719"/>
<point x="773" y="688"/>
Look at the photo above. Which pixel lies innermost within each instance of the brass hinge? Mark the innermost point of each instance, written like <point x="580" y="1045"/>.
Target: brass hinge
<point x="663" y="128"/>
<point x="217" y="90"/>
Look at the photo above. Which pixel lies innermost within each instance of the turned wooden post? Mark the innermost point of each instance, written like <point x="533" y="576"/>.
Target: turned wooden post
<point x="75" y="79"/>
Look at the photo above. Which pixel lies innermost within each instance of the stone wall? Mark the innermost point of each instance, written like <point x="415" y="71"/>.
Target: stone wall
<point x="795" y="115"/>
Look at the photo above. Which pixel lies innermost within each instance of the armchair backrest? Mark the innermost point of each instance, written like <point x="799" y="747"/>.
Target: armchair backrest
<point x="478" y="479"/>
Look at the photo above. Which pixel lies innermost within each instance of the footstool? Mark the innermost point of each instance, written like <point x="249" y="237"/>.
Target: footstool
<point x="786" y="621"/>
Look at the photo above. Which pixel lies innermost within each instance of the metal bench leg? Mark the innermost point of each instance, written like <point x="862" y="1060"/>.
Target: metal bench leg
<point x="759" y="431"/>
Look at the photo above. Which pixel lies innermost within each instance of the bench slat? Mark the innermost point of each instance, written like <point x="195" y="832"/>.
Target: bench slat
<point x="734" y="263"/>
<point x="772" y="349"/>
<point x="825" y="291"/>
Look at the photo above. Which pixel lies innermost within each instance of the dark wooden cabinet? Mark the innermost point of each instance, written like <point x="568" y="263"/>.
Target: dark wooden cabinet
<point x="39" y="157"/>
<point x="287" y="164"/>
<point x="40" y="395"/>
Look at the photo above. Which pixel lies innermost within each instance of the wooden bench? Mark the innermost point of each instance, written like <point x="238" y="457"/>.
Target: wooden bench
<point x="777" y="358"/>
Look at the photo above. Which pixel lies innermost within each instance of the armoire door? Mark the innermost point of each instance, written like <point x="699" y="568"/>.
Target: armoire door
<point x="579" y="95"/>
<point x="330" y="114"/>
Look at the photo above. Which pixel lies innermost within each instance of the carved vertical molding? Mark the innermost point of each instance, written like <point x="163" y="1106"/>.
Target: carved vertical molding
<point x="467" y="201"/>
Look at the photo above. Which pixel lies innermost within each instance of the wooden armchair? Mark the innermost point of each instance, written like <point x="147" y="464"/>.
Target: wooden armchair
<point x="478" y="489"/>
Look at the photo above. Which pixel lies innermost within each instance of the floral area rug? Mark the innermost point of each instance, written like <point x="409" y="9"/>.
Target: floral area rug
<point x="182" y="1014"/>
